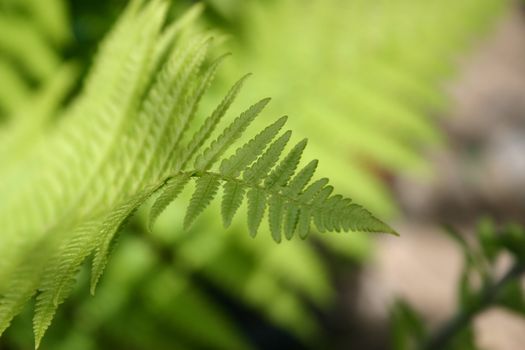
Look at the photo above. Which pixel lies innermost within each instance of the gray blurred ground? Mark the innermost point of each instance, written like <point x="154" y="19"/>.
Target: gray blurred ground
<point x="481" y="171"/>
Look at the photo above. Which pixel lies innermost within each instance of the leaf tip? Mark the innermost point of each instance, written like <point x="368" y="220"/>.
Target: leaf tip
<point x="152" y="219"/>
<point x="393" y="232"/>
<point x="226" y="222"/>
<point x="244" y="77"/>
<point x="38" y="339"/>
<point x="264" y="102"/>
<point x="253" y="232"/>
<point x="303" y="143"/>
<point x="283" y="120"/>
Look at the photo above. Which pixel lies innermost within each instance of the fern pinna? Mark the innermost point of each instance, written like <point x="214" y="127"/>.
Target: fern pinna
<point x="126" y="137"/>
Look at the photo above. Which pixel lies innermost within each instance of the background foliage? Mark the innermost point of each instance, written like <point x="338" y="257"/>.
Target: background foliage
<point x="362" y="87"/>
<point x="482" y="285"/>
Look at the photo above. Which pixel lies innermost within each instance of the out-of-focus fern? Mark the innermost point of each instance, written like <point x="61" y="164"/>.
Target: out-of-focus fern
<point x="266" y="276"/>
<point x="364" y="77"/>
<point x="34" y="80"/>
<point x="33" y="32"/>
<point x="123" y="139"/>
<point x="364" y="99"/>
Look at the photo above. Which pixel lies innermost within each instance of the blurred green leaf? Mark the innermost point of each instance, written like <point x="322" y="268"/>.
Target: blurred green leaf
<point x="407" y="327"/>
<point x="488" y="239"/>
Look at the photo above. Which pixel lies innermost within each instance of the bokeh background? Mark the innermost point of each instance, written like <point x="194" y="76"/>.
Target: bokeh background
<point x="416" y="110"/>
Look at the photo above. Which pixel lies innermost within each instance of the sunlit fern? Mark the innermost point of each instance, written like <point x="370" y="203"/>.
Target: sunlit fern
<point x="218" y="254"/>
<point x="367" y="78"/>
<point x="125" y="138"/>
<point x="364" y="77"/>
<point x="33" y="33"/>
<point x="34" y="79"/>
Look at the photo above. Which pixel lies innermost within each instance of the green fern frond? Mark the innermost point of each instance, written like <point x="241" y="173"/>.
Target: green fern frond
<point x="245" y="155"/>
<point x="283" y="196"/>
<point x="363" y="92"/>
<point x="256" y="209"/>
<point x="206" y="189"/>
<point x="170" y="192"/>
<point x="264" y="164"/>
<point x="126" y="137"/>
<point x="204" y="161"/>
<point x="32" y="35"/>
<point x="231" y="201"/>
<point x="210" y="124"/>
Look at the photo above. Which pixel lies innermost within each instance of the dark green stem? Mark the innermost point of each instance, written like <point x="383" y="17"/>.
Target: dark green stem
<point x="487" y="297"/>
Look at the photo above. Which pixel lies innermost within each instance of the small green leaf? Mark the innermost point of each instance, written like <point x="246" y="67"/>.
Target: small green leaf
<point x="205" y="191"/>
<point x="276" y="217"/>
<point x="231" y="201"/>
<point x="291" y="219"/>
<point x="168" y="194"/>
<point x="256" y="209"/>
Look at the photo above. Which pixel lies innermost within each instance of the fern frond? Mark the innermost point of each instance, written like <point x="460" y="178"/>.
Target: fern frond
<point x="58" y="278"/>
<point x="229" y="136"/>
<point x="286" y="198"/>
<point x="206" y="189"/>
<point x="302" y="178"/>
<point x="123" y="139"/>
<point x="233" y="196"/>
<point x="275" y="216"/>
<point x="364" y="94"/>
<point x="18" y="292"/>
<point x="282" y="173"/>
<point x="251" y="150"/>
<point x="211" y="123"/>
<point x="30" y="52"/>
<point x="170" y="192"/>
<point x="112" y="224"/>
<point x="265" y="163"/>
<point x="256" y="208"/>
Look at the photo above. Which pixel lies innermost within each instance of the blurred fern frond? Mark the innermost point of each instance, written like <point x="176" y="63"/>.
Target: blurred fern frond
<point x="33" y="34"/>
<point x="373" y="77"/>
<point x="130" y="133"/>
<point x="364" y="77"/>
<point x="34" y="79"/>
<point x="367" y="78"/>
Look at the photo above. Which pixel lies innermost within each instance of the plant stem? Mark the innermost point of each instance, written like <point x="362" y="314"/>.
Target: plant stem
<point x="487" y="296"/>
